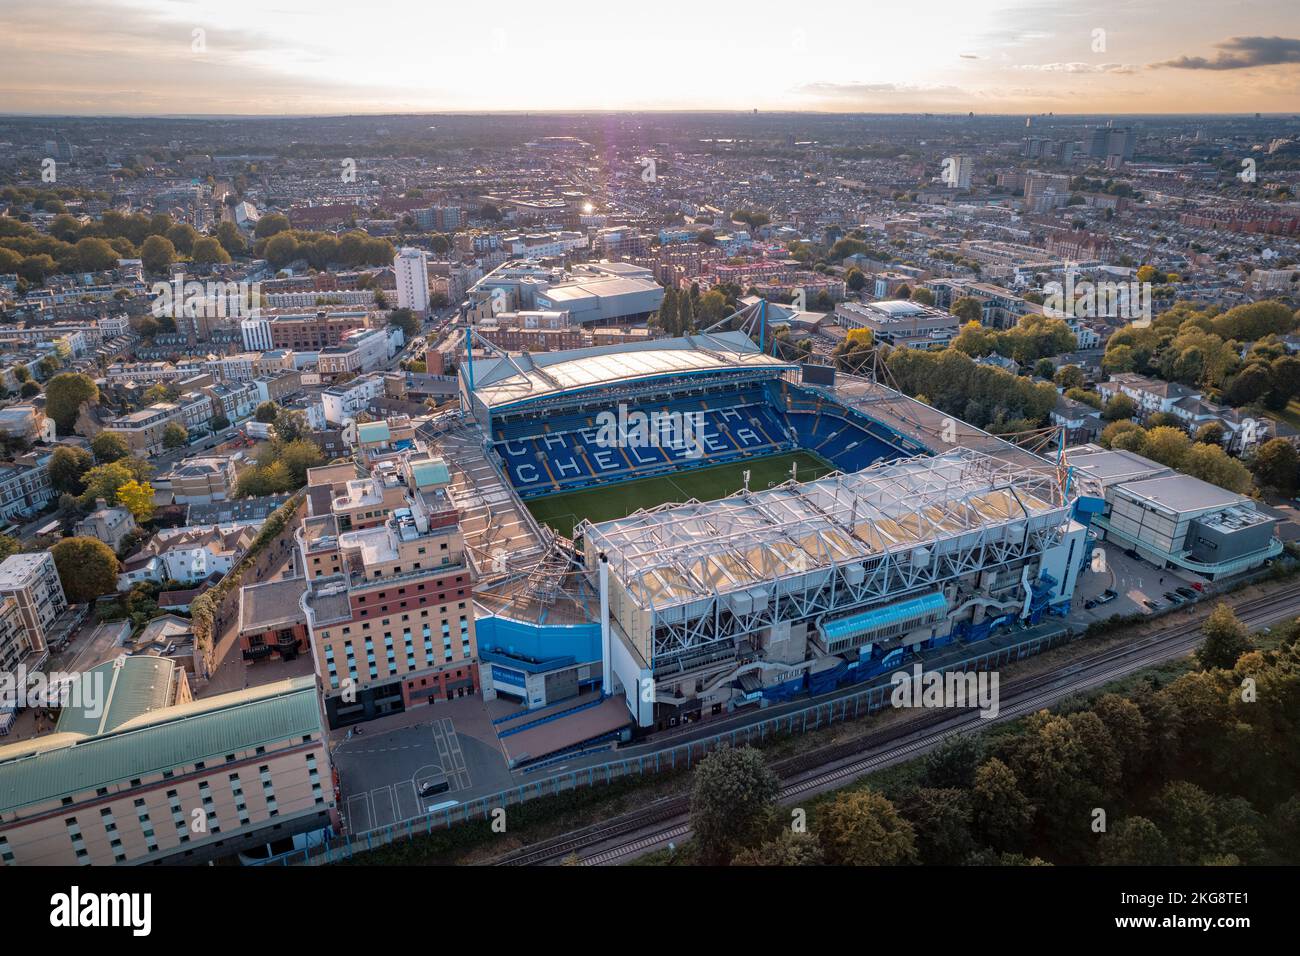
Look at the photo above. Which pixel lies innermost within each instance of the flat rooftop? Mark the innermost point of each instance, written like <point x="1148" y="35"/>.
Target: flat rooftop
<point x="1183" y="494"/>
<point x="271" y="604"/>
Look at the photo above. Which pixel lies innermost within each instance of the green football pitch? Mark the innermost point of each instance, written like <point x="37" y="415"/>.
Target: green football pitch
<point x="606" y="502"/>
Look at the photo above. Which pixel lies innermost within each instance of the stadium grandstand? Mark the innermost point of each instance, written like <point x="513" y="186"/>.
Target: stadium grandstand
<point x="731" y="529"/>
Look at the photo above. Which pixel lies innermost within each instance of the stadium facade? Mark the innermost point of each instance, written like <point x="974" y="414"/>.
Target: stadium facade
<point x="924" y="531"/>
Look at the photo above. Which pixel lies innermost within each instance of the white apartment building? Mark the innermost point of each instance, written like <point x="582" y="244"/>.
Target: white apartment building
<point x="412" y="270"/>
<point x="344" y="401"/>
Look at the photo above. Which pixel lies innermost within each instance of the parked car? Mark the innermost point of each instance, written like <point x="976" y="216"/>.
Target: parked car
<point x="1173" y="598"/>
<point x="1153" y="605"/>
<point x="430" y="787"/>
<point x="1186" y="592"/>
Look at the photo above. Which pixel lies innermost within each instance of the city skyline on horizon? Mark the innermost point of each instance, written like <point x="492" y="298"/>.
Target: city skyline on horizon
<point x="238" y="58"/>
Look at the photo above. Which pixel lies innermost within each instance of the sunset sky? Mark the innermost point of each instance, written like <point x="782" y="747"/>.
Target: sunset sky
<point x="331" y="56"/>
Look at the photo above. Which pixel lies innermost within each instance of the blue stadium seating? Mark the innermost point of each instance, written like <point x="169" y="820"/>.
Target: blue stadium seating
<point x="562" y="453"/>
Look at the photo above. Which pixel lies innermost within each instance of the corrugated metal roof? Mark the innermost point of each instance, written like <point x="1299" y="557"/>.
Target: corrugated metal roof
<point x="177" y="737"/>
<point x="118" y="691"/>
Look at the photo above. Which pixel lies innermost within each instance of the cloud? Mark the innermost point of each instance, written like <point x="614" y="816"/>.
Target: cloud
<point x="1076" y="67"/>
<point x="1241" y="53"/>
<point x="849" y="90"/>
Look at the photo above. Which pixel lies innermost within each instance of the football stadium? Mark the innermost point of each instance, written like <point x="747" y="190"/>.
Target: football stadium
<point x="676" y="529"/>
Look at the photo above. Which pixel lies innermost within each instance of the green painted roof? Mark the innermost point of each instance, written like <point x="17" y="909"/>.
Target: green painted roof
<point x="372" y="431"/>
<point x="176" y="737"/>
<point x="118" y="691"/>
<point x="428" y="473"/>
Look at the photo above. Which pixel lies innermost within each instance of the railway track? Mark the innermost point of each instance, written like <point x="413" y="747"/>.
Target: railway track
<point x="827" y="768"/>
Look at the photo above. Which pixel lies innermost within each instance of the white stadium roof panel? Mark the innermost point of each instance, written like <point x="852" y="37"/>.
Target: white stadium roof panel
<point x="526" y="378"/>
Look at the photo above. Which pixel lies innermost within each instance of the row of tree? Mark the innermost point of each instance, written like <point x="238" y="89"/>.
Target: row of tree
<point x="1201" y="771"/>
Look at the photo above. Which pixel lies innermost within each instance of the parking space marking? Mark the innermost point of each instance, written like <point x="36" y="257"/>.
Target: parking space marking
<point x="407" y="801"/>
<point x="359" y="815"/>
<point x="390" y="816"/>
<point x="453" y="760"/>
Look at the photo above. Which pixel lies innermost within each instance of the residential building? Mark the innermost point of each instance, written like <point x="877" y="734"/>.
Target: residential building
<point x="109" y="525"/>
<point x="162" y="778"/>
<point x="33" y="582"/>
<point x="411" y="267"/>
<point x="390" y="605"/>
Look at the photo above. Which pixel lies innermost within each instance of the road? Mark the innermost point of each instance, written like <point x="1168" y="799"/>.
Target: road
<point x="666" y="822"/>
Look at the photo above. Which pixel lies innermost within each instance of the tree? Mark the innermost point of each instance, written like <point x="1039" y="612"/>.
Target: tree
<point x="109" y="447"/>
<point x="1001" y="814"/>
<point x="1134" y="841"/>
<point x="1211" y="433"/>
<point x="1069" y="376"/>
<point x="1226" y="639"/>
<point x="297" y="456"/>
<point x="1277" y="465"/>
<point x="788" y="849"/>
<point x="941" y="817"/>
<point x="733" y="799"/>
<point x="95" y="255"/>
<point x="271" y="224"/>
<point x="1188" y="816"/>
<point x="1167" y="445"/>
<point x="1119" y="407"/>
<point x="157" y="254"/>
<point x="182" y="237"/>
<point x="1134" y="440"/>
<point x="922" y="296"/>
<point x="175" y="435"/>
<point x="229" y="237"/>
<point x="854" y="280"/>
<point x="219" y="421"/>
<point x="1211" y="463"/>
<point x="290" y="425"/>
<point x="1248" y="386"/>
<point x="266" y="413"/>
<point x="862" y="828"/>
<point x="953" y="763"/>
<point x="968" y="309"/>
<point x="405" y="320"/>
<point x="207" y="251"/>
<point x="103" y="481"/>
<point x="138" y="498"/>
<point x="9" y="546"/>
<point x="1044" y="368"/>
<point x="67" y="465"/>
<point x="65" y="394"/>
<point x="29" y="390"/>
<point x="87" y="568"/>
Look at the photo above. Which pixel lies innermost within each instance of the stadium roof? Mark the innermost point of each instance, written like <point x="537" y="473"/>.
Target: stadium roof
<point x="511" y="381"/>
<point x="676" y="554"/>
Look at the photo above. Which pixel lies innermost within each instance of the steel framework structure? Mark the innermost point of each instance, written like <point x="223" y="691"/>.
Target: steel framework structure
<point x="723" y="571"/>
